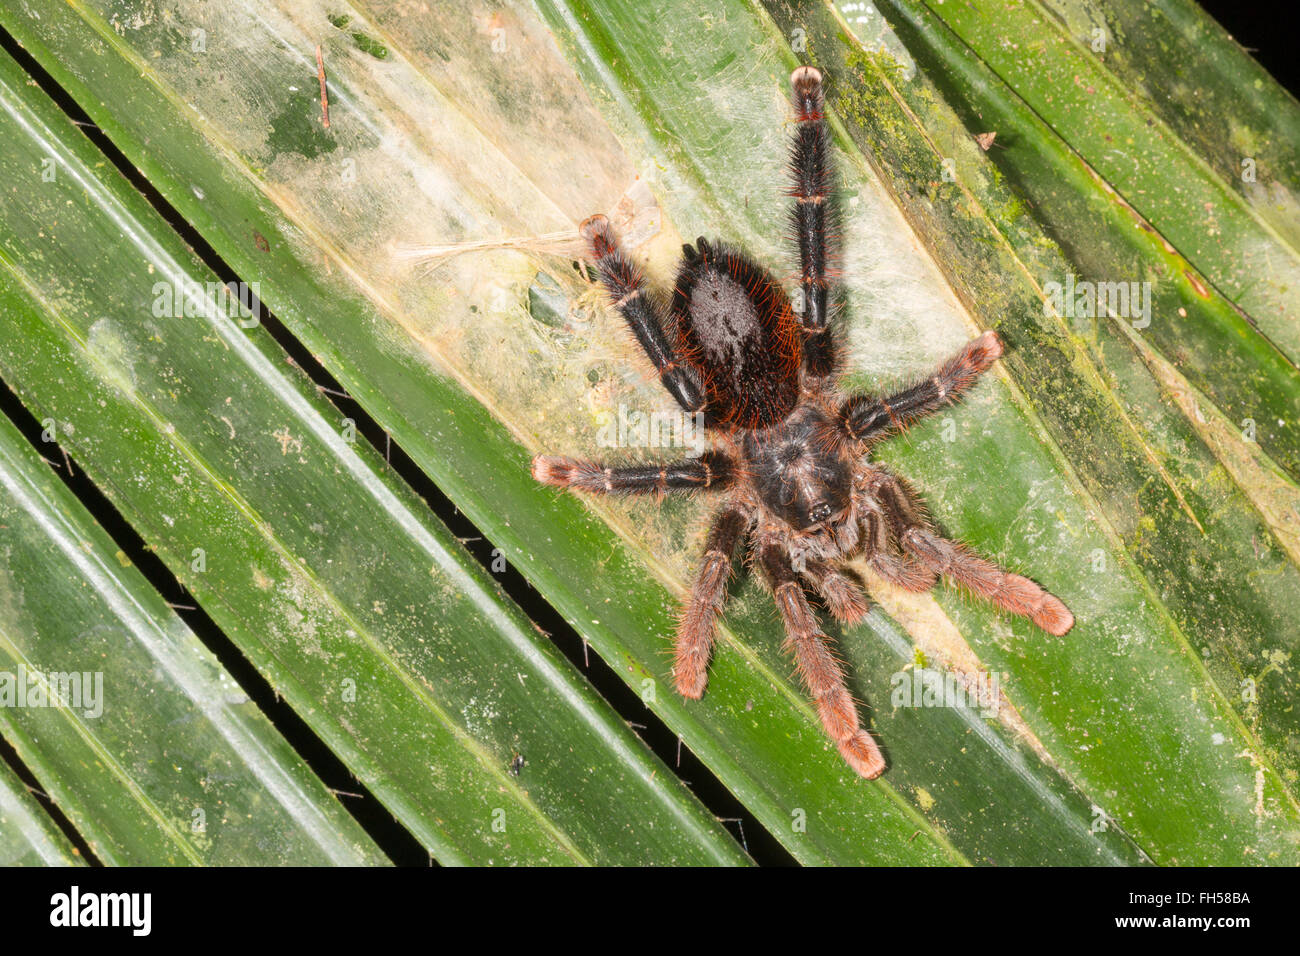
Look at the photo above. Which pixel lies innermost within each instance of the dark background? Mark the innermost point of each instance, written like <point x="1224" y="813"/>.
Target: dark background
<point x="1266" y="30"/>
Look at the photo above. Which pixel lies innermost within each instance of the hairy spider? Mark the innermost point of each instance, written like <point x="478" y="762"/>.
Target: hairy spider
<point x="790" y="451"/>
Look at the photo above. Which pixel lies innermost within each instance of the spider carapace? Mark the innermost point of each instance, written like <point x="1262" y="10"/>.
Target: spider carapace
<point x="790" y="451"/>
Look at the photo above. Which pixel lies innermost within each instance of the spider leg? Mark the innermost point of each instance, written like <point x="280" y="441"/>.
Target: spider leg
<point x="843" y="595"/>
<point x="817" y="666"/>
<point x="1017" y="594"/>
<point x="960" y="564"/>
<point x="626" y="285"/>
<point x="811" y="217"/>
<point x="885" y="558"/>
<point x="867" y="417"/>
<point x="698" y="622"/>
<point x="710" y="471"/>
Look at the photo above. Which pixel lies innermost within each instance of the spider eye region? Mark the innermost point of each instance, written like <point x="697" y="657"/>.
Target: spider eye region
<point x="798" y="479"/>
<point x="790" y="453"/>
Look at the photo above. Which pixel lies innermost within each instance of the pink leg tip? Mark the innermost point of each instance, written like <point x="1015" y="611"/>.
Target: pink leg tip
<point x="804" y="75"/>
<point x="691" y="685"/>
<point x="862" y="754"/>
<point x="1054" y="617"/>
<point x="593" y="226"/>
<point x="990" y="342"/>
<point x="550" y="470"/>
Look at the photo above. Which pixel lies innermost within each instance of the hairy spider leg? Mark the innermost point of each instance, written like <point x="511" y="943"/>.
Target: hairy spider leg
<point x="711" y="471"/>
<point x="844" y="596"/>
<point x="885" y="556"/>
<point x="698" y="622"/>
<point x="627" y="287"/>
<point x="812" y="216"/>
<point x="869" y="418"/>
<point x="960" y="564"/>
<point x="821" y="672"/>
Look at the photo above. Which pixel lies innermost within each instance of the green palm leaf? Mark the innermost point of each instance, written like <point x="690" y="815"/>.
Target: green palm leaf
<point x="28" y="837"/>
<point x="362" y="611"/>
<point x="1109" y="462"/>
<point x="206" y="778"/>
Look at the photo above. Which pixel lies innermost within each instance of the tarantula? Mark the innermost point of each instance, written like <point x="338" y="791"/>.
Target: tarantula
<point x="790" y="451"/>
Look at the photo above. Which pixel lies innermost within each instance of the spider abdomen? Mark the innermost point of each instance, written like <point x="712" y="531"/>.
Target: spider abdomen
<point x="736" y="326"/>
